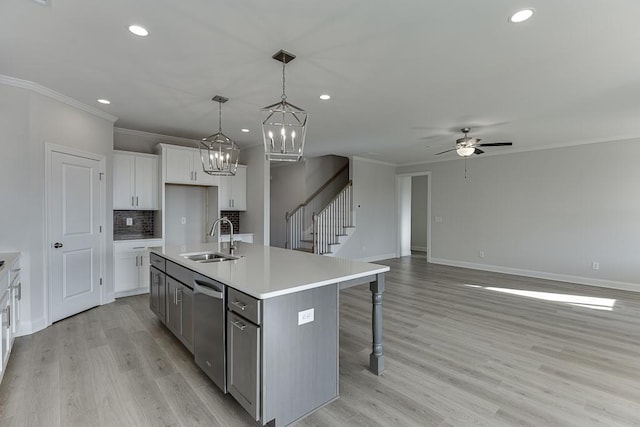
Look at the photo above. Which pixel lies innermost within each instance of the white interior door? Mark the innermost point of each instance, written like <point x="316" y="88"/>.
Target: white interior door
<point x="74" y="234"/>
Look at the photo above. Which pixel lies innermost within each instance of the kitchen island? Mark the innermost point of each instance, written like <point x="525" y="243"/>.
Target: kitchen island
<point x="280" y="308"/>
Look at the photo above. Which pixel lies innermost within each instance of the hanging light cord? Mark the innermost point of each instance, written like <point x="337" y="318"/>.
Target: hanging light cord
<point x="220" y="117"/>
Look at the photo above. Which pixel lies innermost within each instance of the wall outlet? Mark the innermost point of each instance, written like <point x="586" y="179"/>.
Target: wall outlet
<point x="481" y="254"/>
<point x="183" y="220"/>
<point x="305" y="316"/>
<point x="595" y="265"/>
<point x="129" y="221"/>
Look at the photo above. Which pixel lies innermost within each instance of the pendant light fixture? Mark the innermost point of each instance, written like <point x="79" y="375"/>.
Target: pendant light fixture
<point x="285" y="126"/>
<point x="219" y="154"/>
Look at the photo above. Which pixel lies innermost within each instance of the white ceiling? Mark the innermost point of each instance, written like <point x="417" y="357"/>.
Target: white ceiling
<point x="403" y="75"/>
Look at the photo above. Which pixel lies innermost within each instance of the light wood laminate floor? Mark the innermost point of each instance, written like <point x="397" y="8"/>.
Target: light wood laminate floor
<point x="462" y="347"/>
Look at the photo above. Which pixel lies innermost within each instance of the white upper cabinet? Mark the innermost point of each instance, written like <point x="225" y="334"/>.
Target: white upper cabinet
<point x="232" y="192"/>
<point x="135" y="181"/>
<point x="183" y="166"/>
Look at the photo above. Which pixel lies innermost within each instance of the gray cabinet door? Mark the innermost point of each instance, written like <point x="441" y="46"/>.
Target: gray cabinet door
<point x="243" y="363"/>
<point x="185" y="297"/>
<point x="162" y="297"/>
<point x="173" y="307"/>
<point x="157" y="293"/>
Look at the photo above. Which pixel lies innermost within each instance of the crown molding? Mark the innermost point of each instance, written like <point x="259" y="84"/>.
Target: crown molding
<point x="35" y="87"/>
<point x="379" y="162"/>
<point x="155" y="136"/>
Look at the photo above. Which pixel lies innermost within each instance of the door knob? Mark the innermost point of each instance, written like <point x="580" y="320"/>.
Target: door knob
<point x="57" y="245"/>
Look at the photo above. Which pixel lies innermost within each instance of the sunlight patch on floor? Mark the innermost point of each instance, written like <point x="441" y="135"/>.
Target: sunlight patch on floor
<point x="595" y="303"/>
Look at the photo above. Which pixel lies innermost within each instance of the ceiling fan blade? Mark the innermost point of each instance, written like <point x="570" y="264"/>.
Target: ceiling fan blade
<point x="478" y="151"/>
<point x="442" y="152"/>
<point x="495" y="144"/>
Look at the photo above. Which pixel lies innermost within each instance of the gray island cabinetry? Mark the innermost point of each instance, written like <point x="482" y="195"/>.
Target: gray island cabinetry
<point x="277" y="330"/>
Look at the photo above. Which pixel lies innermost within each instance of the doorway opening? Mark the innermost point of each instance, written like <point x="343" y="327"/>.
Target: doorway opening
<point x="414" y="215"/>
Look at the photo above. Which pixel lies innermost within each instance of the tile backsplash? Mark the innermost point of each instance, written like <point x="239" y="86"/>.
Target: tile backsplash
<point x="142" y="225"/>
<point x="234" y="217"/>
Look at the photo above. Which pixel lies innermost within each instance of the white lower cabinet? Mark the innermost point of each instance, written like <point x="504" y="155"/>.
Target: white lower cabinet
<point x="131" y="266"/>
<point x="5" y="327"/>
<point x="10" y="296"/>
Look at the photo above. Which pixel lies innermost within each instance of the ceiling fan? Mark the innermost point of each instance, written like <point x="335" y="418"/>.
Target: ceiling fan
<point x="467" y="145"/>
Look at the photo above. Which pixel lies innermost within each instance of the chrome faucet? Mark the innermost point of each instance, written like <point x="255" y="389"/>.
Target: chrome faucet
<point x="212" y="232"/>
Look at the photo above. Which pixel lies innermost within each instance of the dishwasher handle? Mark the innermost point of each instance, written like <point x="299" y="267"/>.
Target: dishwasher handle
<point x="208" y="289"/>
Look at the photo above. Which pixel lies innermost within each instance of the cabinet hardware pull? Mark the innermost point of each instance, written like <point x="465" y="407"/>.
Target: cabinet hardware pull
<point x="132" y="201"/>
<point x="137" y="201"/>
<point x="5" y="322"/>
<point x="239" y="325"/>
<point x="57" y="245"/>
<point x="136" y="260"/>
<point x="240" y="305"/>
<point x="20" y="291"/>
<point x="15" y="270"/>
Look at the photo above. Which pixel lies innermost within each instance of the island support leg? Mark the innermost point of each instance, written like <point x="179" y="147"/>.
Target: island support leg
<point x="376" y="358"/>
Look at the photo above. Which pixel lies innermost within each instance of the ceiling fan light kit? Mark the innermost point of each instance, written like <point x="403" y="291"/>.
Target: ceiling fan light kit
<point x="467" y="145"/>
<point x="284" y="126"/>
<point x="465" y="151"/>
<point x="219" y="154"/>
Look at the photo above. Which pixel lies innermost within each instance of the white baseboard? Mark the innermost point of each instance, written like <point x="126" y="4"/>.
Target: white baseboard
<point x="131" y="293"/>
<point x="377" y="257"/>
<point x="612" y="284"/>
<point x="30" y="327"/>
<point x="419" y="248"/>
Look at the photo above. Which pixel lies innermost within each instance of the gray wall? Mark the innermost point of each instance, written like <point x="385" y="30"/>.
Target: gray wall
<point x="256" y="218"/>
<point x="549" y="213"/>
<point x="374" y="199"/>
<point x="287" y="192"/>
<point x="419" y="217"/>
<point x="192" y="203"/>
<point x="145" y="142"/>
<point x="28" y="120"/>
<point x="293" y="183"/>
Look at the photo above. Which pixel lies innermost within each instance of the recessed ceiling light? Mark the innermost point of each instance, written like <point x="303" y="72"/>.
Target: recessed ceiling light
<point x="521" y="16"/>
<point x="138" y="30"/>
<point x="325" y="97"/>
<point x="245" y="130"/>
<point x="104" y="101"/>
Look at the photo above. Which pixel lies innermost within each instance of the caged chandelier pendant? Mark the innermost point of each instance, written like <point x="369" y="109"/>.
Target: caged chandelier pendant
<point x="284" y="127"/>
<point x="219" y="154"/>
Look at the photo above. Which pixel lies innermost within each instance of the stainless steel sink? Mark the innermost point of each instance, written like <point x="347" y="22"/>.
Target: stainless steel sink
<point x="203" y="257"/>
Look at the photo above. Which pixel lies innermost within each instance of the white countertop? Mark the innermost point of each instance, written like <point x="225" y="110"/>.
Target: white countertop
<point x="266" y="272"/>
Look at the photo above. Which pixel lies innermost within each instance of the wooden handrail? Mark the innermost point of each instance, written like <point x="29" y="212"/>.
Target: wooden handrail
<point x="318" y="191"/>
<point x="335" y="197"/>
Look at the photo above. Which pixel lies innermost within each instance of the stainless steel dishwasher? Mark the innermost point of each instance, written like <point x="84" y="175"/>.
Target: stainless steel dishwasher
<point x="210" y="318"/>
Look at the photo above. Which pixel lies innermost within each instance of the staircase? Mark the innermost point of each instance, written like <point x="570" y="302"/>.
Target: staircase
<point x="321" y="227"/>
